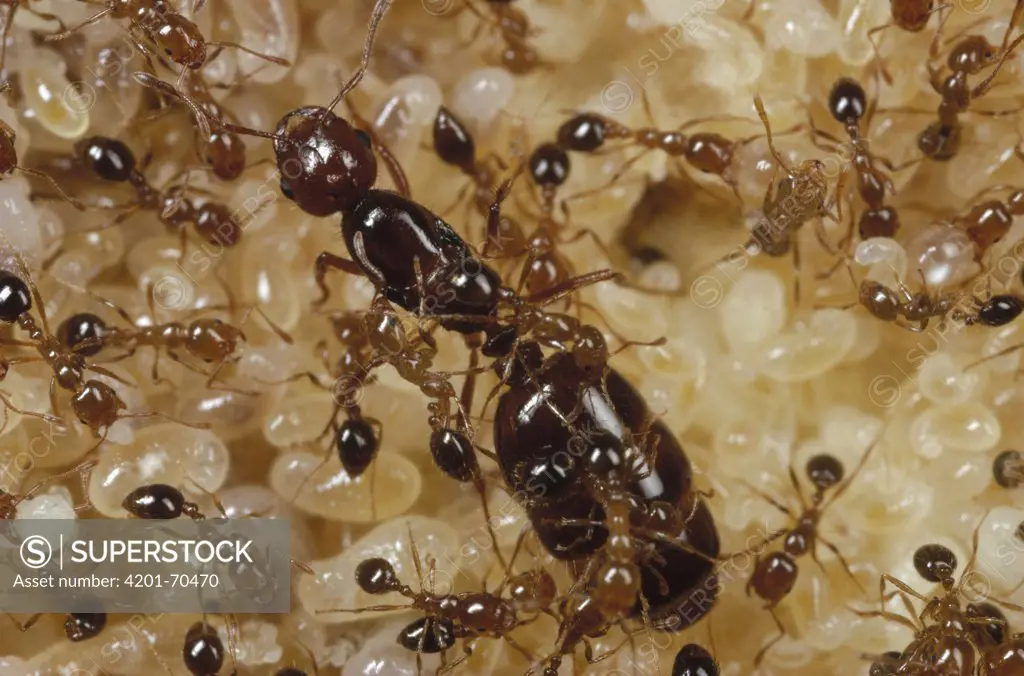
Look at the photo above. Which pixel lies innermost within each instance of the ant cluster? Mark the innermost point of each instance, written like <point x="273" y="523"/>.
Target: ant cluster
<point x="621" y="544"/>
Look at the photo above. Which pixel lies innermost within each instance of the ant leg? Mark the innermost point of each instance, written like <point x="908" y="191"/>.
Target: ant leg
<point x="391" y="163"/>
<point x="761" y="113"/>
<point x="328" y="260"/>
<point x="380" y="8"/>
<point x="53" y="37"/>
<point x="494" y="213"/>
<point x="169" y="418"/>
<point x="109" y="374"/>
<point x="782" y="632"/>
<point x="56" y="186"/>
<point x="29" y="623"/>
<point x="796" y="271"/>
<point x="619" y="173"/>
<point x="571" y="285"/>
<point x="886" y="75"/>
<point x="266" y="57"/>
<point x="842" y="560"/>
<point x="14" y="409"/>
<point x="1000" y="353"/>
<point x="202" y="117"/>
<point x="312" y="377"/>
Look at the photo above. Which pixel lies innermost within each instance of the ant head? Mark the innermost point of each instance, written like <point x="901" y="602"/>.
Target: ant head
<point x="590" y="350"/>
<point x="79" y="328"/>
<point x="376" y="576"/>
<point x="327" y="166"/>
<point x="549" y="166"/>
<point x="82" y="626"/>
<point x="693" y="660"/>
<point x="125" y="9"/>
<point x="15" y="298"/>
<point x="824" y="471"/>
<point x="971" y="55"/>
<point x="935" y="563"/>
<point x="847" y="100"/>
<point x="181" y="40"/>
<point x="430" y="635"/>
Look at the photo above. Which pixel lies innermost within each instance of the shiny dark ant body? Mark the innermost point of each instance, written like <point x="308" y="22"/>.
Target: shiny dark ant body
<point x="694" y="660"/>
<point x="912" y="311"/>
<point x="648" y="492"/>
<point x="775" y="573"/>
<point x="160" y="501"/>
<point x="1008" y="469"/>
<point x="78" y="627"/>
<point x="95" y="403"/>
<point x="112" y="160"/>
<point x="949" y="636"/>
<point x="203" y="651"/>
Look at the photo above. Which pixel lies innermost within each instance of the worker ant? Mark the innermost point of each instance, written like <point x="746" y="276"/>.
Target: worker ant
<point x="775" y="573"/>
<point x="112" y="160"/>
<point x="518" y="56"/>
<point x="95" y="403"/>
<point x="9" y="501"/>
<point x="447" y="617"/>
<point x="948" y="636"/>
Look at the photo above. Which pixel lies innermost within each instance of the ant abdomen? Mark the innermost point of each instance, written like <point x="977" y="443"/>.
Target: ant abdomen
<point x="155" y="501"/>
<point x="203" y="651"/>
<point x="109" y="158"/>
<point x="774" y="577"/>
<point x="583" y="133"/>
<point x="83" y="626"/>
<point x="454" y="455"/>
<point x="428" y="635"/>
<point x="377" y="576"/>
<point x="357" y="445"/>
<point x="693" y="660"/>
<point x="225" y="154"/>
<point x="85" y="329"/>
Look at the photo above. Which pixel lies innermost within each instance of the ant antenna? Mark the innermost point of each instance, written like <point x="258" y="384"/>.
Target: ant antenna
<point x="379" y="10"/>
<point x="761" y="113"/>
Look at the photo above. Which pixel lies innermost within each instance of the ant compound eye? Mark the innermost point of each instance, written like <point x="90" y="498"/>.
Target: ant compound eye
<point x="364" y="137"/>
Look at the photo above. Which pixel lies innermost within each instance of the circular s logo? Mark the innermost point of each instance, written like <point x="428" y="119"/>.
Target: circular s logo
<point x="36" y="552"/>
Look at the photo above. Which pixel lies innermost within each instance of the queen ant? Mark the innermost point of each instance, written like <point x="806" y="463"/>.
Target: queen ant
<point x="776" y="573"/>
<point x="447" y="617"/>
<point x="948" y="636"/>
<point x="112" y="160"/>
<point x="95" y="403"/>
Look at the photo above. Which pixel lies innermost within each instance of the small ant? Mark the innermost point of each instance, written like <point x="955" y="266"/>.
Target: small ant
<point x="518" y="56"/>
<point x="112" y="160"/>
<point x="776" y="573"/>
<point x="78" y="627"/>
<point x="208" y="339"/>
<point x="203" y="652"/>
<point x="95" y="403"/>
<point x="848" y="105"/>
<point x="707" y="152"/>
<point x="800" y="196"/>
<point x="988" y="222"/>
<point x="941" y="140"/>
<point x="161" y="502"/>
<point x="9" y="501"/>
<point x="447" y="617"/>
<point x="947" y="636"/>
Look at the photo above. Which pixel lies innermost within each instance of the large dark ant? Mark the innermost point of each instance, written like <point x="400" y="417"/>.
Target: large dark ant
<point x="948" y="636"/>
<point x="112" y="160"/>
<point x="645" y="494"/>
<point x="776" y="573"/>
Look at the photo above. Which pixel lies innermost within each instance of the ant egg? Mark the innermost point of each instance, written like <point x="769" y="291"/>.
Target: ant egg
<point x="626" y="309"/>
<point x="297" y="419"/>
<point x="803" y="28"/>
<point x="334" y="584"/>
<point x="256" y="643"/>
<point x="481" y="95"/>
<point x="943" y="254"/>
<point x="54" y="504"/>
<point x="869" y="338"/>
<point x="846" y="433"/>
<point x="754" y="309"/>
<point x="1001" y="550"/>
<point x="20" y="223"/>
<point x="969" y="426"/>
<point x="811" y="347"/>
<point x="270" y="27"/>
<point x="857" y="18"/>
<point x="943" y="381"/>
<point x="162" y="453"/>
<point x="332" y="494"/>
<point x="50" y="99"/>
<point x="740" y="66"/>
<point x="889" y="499"/>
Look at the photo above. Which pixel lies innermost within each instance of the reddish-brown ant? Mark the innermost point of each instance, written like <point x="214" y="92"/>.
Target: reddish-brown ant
<point x="95" y="403"/>
<point x="112" y="160"/>
<point x="208" y="339"/>
<point x="909" y="15"/>
<point x="447" y="617"/>
<point x="707" y="152"/>
<point x="775" y="573"/>
<point x="948" y="637"/>
<point x="518" y="56"/>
